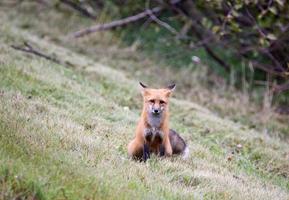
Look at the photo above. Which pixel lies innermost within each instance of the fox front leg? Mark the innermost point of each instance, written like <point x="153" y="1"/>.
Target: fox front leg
<point x="162" y="150"/>
<point x="148" y="134"/>
<point x="167" y="147"/>
<point x="146" y="152"/>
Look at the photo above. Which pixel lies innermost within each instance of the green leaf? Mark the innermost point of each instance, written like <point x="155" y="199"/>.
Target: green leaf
<point x="271" y="36"/>
<point x="273" y="10"/>
<point x="216" y="29"/>
<point x="280" y="2"/>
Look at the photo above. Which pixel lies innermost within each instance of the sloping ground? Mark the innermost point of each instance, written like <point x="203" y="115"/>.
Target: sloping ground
<point x="64" y="132"/>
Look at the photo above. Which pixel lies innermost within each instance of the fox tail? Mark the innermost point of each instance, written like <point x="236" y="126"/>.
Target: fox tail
<point x="186" y="153"/>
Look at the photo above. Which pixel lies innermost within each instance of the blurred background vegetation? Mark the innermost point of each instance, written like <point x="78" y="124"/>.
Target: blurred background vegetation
<point x="244" y="42"/>
<point x="229" y="56"/>
<point x="240" y="45"/>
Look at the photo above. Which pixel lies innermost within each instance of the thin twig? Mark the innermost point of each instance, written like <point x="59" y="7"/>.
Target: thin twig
<point x="263" y="34"/>
<point x="226" y="19"/>
<point x="29" y="49"/>
<point x="158" y="21"/>
<point x="259" y="29"/>
<point x="201" y="43"/>
<point x="200" y="35"/>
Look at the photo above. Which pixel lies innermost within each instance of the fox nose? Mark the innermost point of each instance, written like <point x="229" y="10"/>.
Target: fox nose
<point x="156" y="111"/>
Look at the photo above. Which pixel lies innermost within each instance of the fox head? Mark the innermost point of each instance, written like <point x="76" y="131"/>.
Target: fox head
<point x="156" y="102"/>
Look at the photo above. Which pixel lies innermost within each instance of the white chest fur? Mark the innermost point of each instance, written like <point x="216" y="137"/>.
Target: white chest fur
<point x="155" y="121"/>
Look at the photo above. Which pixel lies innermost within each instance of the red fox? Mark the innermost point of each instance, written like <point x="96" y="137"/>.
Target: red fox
<point x="152" y="133"/>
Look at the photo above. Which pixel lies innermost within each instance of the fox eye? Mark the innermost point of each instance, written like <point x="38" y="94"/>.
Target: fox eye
<point x="162" y="102"/>
<point x="152" y="101"/>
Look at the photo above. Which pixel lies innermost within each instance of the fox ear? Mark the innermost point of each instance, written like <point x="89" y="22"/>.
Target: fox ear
<point x="142" y="85"/>
<point x="171" y="87"/>
<point x="143" y="88"/>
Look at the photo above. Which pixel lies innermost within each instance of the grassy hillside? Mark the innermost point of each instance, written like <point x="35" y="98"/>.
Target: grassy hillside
<point x="64" y="128"/>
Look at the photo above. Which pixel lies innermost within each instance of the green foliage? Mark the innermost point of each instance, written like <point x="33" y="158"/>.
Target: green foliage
<point x="250" y="34"/>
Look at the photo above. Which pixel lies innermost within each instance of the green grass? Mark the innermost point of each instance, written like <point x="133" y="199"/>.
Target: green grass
<point x="64" y="132"/>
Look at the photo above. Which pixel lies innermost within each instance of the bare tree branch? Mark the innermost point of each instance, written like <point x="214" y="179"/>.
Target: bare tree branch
<point x="116" y="23"/>
<point x="29" y="49"/>
<point x="81" y="10"/>
<point x="267" y="68"/>
<point x="281" y="88"/>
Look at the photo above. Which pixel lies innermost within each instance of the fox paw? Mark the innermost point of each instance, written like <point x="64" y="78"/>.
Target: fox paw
<point x="148" y="135"/>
